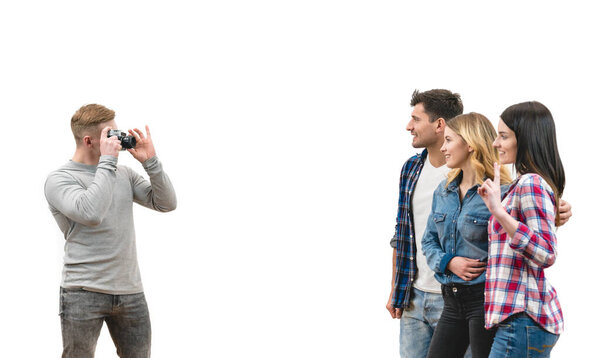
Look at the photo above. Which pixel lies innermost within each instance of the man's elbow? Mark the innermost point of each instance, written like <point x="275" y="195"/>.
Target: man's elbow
<point x="92" y="221"/>
<point x="168" y="206"/>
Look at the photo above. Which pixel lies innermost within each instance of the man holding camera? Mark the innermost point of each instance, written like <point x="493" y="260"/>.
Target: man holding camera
<point x="91" y="198"/>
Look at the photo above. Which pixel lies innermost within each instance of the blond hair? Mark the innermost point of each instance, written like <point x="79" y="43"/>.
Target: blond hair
<point x="479" y="134"/>
<point x="87" y="118"/>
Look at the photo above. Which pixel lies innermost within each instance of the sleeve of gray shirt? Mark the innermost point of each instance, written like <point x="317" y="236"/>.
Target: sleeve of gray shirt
<point x="87" y="206"/>
<point x="158" y="194"/>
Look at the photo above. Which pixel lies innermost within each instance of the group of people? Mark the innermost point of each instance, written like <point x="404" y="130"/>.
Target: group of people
<point x="470" y="247"/>
<point x="471" y="244"/>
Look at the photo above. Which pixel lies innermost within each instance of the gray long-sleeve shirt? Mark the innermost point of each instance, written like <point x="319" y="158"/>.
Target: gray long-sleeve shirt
<point x="93" y="206"/>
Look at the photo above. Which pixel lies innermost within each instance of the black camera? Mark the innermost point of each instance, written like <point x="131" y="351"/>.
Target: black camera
<point x="127" y="141"/>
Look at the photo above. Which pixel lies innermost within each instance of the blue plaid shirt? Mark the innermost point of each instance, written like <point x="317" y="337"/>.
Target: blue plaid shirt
<point x="404" y="238"/>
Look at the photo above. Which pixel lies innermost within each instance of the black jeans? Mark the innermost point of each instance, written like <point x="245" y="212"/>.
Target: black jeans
<point x="462" y="322"/>
<point x="82" y="314"/>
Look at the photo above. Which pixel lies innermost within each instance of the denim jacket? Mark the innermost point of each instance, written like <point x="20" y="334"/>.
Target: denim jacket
<point x="456" y="229"/>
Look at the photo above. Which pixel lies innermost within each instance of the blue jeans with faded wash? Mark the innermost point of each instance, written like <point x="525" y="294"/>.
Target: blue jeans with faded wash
<point x="520" y="336"/>
<point x="418" y="323"/>
<point x="82" y="314"/>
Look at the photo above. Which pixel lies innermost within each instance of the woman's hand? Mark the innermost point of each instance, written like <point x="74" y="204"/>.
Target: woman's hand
<point x="466" y="268"/>
<point x="491" y="193"/>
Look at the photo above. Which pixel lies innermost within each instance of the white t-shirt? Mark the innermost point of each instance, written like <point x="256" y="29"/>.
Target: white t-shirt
<point x="422" y="197"/>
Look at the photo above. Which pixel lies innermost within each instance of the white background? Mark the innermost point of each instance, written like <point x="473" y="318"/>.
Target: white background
<point x="281" y="125"/>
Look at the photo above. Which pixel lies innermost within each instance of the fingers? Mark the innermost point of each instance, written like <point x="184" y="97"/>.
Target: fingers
<point x="394" y="312"/>
<point x="474" y="263"/>
<point x="565" y="216"/>
<point x="138" y="134"/>
<point x="476" y="270"/>
<point x="564" y="205"/>
<point x="104" y="133"/>
<point x="148" y="131"/>
<point x="390" y="310"/>
<point x="564" y="209"/>
<point x="497" y="173"/>
<point x="482" y="191"/>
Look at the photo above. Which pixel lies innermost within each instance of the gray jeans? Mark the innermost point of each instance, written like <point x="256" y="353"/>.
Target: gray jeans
<point x="82" y="314"/>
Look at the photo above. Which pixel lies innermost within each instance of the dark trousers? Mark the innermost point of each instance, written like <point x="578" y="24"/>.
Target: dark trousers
<point x="82" y="314"/>
<point x="462" y="323"/>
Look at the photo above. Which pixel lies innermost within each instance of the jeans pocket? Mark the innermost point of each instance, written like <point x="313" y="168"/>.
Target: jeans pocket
<point x="539" y="341"/>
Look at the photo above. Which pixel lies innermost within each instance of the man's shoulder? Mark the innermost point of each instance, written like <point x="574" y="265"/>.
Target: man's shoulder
<point x="62" y="171"/>
<point x="414" y="160"/>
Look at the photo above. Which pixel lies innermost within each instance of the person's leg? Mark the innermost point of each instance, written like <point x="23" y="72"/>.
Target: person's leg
<point x="418" y="322"/>
<point x="451" y="336"/>
<point x="520" y="336"/>
<point x="480" y="338"/>
<point x="81" y="317"/>
<point x="129" y="326"/>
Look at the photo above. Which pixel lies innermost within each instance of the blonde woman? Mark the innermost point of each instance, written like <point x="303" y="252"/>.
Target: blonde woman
<point x="456" y="238"/>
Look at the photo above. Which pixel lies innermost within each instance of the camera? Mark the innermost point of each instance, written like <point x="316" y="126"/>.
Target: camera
<point x="127" y="141"/>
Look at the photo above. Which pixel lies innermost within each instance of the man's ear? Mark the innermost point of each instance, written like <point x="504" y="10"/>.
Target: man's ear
<point x="87" y="141"/>
<point x="441" y="125"/>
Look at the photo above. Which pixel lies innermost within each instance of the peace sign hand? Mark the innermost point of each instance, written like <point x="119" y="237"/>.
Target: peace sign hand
<point x="491" y="193"/>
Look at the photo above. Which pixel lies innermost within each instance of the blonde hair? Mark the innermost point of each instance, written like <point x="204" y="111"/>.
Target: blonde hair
<point x="479" y="134"/>
<point x="87" y="118"/>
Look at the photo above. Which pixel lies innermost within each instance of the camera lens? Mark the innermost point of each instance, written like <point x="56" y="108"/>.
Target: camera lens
<point x="128" y="142"/>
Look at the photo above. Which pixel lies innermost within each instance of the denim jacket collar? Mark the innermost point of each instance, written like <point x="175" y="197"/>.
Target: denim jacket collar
<point x="453" y="186"/>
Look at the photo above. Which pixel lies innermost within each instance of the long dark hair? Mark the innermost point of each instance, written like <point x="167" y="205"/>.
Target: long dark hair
<point x="537" y="151"/>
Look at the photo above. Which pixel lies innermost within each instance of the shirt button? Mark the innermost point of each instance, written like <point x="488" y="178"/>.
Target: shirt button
<point x="411" y="259"/>
<point x="410" y="236"/>
<point x="412" y="279"/>
<point x="475" y="221"/>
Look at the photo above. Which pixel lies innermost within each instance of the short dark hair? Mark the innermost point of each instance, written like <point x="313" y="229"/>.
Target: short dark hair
<point x="537" y="150"/>
<point x="438" y="103"/>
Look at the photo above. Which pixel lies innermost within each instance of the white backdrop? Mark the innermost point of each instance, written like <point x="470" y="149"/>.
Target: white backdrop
<point x="281" y="125"/>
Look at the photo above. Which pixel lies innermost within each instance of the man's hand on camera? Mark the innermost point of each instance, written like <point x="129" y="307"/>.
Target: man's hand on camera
<point x="144" y="148"/>
<point x="109" y="146"/>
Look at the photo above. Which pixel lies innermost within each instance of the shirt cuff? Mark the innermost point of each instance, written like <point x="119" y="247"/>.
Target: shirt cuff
<point x="445" y="261"/>
<point x="152" y="165"/>
<point x="394" y="242"/>
<point x="520" y="238"/>
<point x="108" y="162"/>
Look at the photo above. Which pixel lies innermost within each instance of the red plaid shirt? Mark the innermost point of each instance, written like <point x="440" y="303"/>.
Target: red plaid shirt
<point x="515" y="280"/>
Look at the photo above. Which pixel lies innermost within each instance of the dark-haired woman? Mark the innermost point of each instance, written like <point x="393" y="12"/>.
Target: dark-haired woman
<point x="519" y="301"/>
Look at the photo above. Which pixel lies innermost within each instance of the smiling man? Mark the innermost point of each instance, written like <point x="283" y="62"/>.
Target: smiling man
<point x="416" y="297"/>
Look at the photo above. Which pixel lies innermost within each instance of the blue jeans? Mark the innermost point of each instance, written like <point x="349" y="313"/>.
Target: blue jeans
<point x="418" y="323"/>
<point x="520" y="336"/>
<point x="82" y="314"/>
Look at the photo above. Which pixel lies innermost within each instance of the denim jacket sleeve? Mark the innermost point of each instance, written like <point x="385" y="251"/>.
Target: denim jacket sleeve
<point x="437" y="258"/>
<point x="535" y="238"/>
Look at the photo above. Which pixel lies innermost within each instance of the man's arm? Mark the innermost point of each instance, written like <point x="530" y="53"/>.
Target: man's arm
<point x="158" y="194"/>
<point x="86" y="206"/>
<point x="395" y="312"/>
